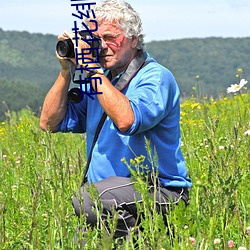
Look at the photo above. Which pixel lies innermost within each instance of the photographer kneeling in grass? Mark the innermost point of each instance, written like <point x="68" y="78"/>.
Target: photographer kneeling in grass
<point x="140" y="98"/>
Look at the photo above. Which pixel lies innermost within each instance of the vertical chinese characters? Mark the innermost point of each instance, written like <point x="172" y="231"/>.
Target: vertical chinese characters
<point x="86" y="56"/>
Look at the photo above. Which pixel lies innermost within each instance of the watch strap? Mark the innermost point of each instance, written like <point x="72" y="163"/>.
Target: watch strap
<point x="93" y="72"/>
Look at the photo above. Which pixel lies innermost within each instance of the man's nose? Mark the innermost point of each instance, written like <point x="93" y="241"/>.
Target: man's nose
<point x="104" y="44"/>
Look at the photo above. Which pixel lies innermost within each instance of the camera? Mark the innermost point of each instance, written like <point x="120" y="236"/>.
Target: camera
<point x="65" y="48"/>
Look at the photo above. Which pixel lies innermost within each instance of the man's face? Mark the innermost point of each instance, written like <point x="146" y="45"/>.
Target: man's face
<point x="117" y="50"/>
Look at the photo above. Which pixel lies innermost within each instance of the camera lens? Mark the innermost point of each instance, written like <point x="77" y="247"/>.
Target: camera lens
<point x="75" y="95"/>
<point x="65" y="48"/>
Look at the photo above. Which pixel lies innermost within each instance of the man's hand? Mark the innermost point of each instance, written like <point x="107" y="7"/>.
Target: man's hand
<point x="81" y="45"/>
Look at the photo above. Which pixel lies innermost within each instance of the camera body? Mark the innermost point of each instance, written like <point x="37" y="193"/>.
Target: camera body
<point x="65" y="48"/>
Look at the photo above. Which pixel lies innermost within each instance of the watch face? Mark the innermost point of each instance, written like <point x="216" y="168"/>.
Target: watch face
<point x="100" y="71"/>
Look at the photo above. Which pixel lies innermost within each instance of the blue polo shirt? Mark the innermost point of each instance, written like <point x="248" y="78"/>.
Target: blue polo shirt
<point x="154" y="97"/>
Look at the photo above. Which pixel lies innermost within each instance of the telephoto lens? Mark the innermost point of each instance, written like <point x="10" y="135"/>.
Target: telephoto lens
<point x="65" y="48"/>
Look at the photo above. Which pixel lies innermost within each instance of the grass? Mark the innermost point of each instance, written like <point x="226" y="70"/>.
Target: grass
<point x="40" y="172"/>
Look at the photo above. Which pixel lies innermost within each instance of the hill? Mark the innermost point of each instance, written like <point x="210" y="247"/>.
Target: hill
<point x="28" y="66"/>
<point x="209" y="64"/>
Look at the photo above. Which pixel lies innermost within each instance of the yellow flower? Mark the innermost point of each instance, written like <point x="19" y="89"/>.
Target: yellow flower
<point x="195" y="105"/>
<point x="138" y="160"/>
<point x="240" y="70"/>
<point x="132" y="162"/>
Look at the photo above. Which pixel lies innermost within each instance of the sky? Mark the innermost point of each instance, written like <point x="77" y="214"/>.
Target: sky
<point x="162" y="19"/>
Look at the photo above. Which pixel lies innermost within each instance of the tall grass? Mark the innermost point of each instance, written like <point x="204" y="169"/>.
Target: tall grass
<point x="40" y="172"/>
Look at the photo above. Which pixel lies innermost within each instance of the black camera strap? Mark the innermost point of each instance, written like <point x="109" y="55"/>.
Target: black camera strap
<point x="136" y="64"/>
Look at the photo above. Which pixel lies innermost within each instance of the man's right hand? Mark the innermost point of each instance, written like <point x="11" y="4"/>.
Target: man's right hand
<point x="68" y="64"/>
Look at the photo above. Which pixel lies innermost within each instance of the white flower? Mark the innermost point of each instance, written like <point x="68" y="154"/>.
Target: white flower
<point x="22" y="210"/>
<point x="192" y="240"/>
<point x="247" y="133"/>
<point x="242" y="248"/>
<point x="217" y="241"/>
<point x="237" y="87"/>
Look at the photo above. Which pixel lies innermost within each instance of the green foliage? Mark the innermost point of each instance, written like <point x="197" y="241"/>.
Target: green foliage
<point x="28" y="68"/>
<point x="36" y="184"/>
<point x="14" y="95"/>
<point x="40" y="172"/>
<point x="28" y="57"/>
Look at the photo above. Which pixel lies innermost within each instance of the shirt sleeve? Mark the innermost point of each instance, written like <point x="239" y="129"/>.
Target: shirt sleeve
<point x="75" y="118"/>
<point x="153" y="98"/>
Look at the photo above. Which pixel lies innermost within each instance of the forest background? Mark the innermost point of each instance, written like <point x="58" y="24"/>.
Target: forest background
<point x="201" y="66"/>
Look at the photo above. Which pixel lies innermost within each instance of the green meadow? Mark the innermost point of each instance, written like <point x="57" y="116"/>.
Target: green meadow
<point x="40" y="172"/>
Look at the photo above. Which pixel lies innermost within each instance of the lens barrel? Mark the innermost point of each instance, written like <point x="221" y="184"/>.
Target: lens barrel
<point x="75" y="95"/>
<point x="65" y="48"/>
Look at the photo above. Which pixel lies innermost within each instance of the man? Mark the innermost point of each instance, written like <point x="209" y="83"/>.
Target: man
<point x="141" y="100"/>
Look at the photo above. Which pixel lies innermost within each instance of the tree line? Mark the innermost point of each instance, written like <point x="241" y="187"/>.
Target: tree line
<point x="202" y="67"/>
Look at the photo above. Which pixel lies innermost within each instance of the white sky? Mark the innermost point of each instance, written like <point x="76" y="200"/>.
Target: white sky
<point x="162" y="19"/>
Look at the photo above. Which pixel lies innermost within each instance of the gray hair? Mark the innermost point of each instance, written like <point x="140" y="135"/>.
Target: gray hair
<point x="122" y="14"/>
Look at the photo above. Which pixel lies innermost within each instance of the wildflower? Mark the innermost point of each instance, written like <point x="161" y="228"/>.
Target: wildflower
<point x="247" y="133"/>
<point x="240" y="70"/>
<point x="198" y="182"/>
<point x="195" y="106"/>
<point x="230" y="244"/>
<point x="14" y="188"/>
<point x="237" y="87"/>
<point x="216" y="241"/>
<point x="45" y="216"/>
<point x="192" y="240"/>
<point x="132" y="162"/>
<point x="242" y="248"/>
<point x="221" y="147"/>
<point x="248" y="230"/>
<point x="137" y="159"/>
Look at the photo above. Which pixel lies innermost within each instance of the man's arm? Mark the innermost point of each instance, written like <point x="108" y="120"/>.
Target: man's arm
<point x="55" y="103"/>
<point x="115" y="104"/>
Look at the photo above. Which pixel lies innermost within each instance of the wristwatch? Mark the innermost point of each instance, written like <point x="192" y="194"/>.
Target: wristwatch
<point x="95" y="71"/>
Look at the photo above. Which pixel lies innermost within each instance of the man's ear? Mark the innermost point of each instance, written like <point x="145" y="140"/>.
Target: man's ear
<point x="134" y="42"/>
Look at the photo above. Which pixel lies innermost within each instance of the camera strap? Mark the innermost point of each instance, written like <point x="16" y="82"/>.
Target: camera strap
<point x="136" y="64"/>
